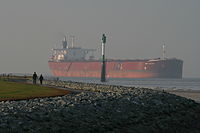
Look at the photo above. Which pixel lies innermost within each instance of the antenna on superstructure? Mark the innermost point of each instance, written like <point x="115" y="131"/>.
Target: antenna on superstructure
<point x="73" y="39"/>
<point x="164" y="50"/>
<point x="65" y="43"/>
<point x="65" y="39"/>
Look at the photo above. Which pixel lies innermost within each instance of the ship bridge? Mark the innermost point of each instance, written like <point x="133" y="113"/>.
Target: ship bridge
<point x="72" y="53"/>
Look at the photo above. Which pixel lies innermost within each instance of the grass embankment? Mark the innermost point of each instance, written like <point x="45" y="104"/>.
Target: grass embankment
<point x="13" y="77"/>
<point x="19" y="91"/>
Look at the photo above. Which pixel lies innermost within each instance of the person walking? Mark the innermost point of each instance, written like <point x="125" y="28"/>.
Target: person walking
<point x="34" y="77"/>
<point x="41" y="79"/>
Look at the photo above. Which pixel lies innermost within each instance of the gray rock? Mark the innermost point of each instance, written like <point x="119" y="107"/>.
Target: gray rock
<point x="101" y="108"/>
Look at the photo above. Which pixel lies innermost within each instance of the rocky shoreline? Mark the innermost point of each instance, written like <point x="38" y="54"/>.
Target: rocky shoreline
<point x="101" y="108"/>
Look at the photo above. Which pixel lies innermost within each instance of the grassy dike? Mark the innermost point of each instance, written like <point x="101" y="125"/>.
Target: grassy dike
<point x="19" y="91"/>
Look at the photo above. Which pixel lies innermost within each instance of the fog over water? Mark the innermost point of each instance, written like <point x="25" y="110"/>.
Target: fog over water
<point x="136" y="29"/>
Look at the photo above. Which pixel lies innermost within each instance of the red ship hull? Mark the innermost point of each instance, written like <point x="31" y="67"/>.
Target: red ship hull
<point x="168" y="68"/>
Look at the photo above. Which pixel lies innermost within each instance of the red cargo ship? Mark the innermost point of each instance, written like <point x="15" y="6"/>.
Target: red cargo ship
<point x="75" y="62"/>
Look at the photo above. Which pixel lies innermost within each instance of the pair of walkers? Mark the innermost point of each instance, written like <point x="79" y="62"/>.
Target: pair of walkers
<point x="35" y="77"/>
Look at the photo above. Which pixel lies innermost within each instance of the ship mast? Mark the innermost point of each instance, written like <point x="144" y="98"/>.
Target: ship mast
<point x="65" y="39"/>
<point x="164" y="51"/>
<point x="65" y="43"/>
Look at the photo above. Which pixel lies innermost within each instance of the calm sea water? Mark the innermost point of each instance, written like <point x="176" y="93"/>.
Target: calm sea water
<point x="185" y="83"/>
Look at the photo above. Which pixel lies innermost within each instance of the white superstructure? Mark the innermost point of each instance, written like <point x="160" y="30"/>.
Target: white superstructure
<point x="71" y="53"/>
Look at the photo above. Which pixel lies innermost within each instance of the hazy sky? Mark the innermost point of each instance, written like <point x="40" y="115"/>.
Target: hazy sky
<point x="136" y="29"/>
